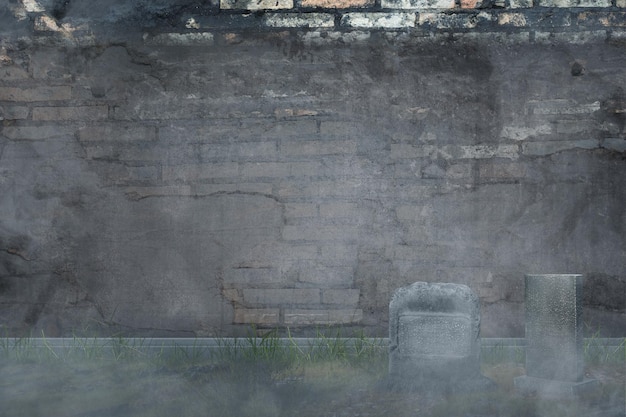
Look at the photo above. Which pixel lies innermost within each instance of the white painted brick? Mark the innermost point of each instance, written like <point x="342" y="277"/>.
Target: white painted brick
<point x="487" y="151"/>
<point x="379" y="20"/>
<point x="402" y="150"/>
<point x="524" y="132"/>
<point x="256" y="4"/>
<point x="32" y="6"/>
<point x="512" y="19"/>
<point x="418" y="4"/>
<point x="299" y="20"/>
<point x="337" y="4"/>
<point x="292" y="112"/>
<point x="311" y="317"/>
<point x="573" y="3"/>
<point x="46" y="23"/>
<point x="520" y="4"/>
<point x="456" y="20"/>
<point x="548" y="148"/>
<point x="552" y="107"/>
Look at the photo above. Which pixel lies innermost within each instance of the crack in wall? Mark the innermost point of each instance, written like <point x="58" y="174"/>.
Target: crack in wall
<point x="19" y="253"/>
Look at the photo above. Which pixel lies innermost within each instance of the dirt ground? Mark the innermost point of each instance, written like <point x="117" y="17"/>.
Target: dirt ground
<point x="329" y="389"/>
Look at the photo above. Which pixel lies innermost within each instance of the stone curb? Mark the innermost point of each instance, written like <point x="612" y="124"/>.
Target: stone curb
<point x="212" y="344"/>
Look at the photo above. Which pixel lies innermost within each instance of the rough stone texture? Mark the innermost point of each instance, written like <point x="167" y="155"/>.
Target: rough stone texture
<point x="434" y="337"/>
<point x="554" y="328"/>
<point x="417" y="4"/>
<point x="378" y="20"/>
<point x="338" y="4"/>
<point x="256" y="4"/>
<point x="162" y="162"/>
<point x="311" y="20"/>
<point x="573" y="3"/>
<point x="554" y="337"/>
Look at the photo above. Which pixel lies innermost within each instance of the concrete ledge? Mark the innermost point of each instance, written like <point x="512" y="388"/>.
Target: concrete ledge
<point x="528" y="385"/>
<point x="508" y="347"/>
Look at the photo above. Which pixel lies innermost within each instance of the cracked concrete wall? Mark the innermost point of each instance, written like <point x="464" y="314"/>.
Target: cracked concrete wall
<point x="267" y="179"/>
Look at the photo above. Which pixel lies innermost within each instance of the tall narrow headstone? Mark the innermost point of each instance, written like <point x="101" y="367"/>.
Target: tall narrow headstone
<point x="554" y="336"/>
<point x="433" y="337"/>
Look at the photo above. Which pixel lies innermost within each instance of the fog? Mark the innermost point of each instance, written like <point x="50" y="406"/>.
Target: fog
<point x="194" y="169"/>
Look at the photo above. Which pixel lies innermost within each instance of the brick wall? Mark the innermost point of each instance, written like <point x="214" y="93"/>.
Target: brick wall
<point x="200" y="169"/>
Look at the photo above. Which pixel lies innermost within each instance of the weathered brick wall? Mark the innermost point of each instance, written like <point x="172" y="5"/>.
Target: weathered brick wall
<point x="198" y="168"/>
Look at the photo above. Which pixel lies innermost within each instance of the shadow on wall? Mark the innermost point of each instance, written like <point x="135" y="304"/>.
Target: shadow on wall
<point x="161" y="260"/>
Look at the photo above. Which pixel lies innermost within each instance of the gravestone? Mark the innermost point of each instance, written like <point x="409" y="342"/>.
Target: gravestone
<point x="554" y="337"/>
<point x="433" y="338"/>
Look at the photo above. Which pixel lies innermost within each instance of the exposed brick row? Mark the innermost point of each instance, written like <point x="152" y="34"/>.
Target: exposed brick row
<point x="427" y="20"/>
<point x="297" y="317"/>
<point x="407" y="4"/>
<point x="329" y="190"/>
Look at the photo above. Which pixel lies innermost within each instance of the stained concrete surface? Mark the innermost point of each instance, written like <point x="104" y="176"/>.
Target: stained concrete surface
<point x="176" y="181"/>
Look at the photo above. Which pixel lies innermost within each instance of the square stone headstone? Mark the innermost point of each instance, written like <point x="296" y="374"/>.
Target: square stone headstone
<point x="554" y="336"/>
<point x="433" y="337"/>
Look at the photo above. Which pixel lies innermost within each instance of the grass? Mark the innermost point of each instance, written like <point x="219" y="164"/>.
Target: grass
<point x="500" y="353"/>
<point x="598" y="353"/>
<point x="249" y="376"/>
<point x="262" y="376"/>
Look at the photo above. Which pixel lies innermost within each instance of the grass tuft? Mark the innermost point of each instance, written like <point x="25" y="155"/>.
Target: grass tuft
<point x="263" y="374"/>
